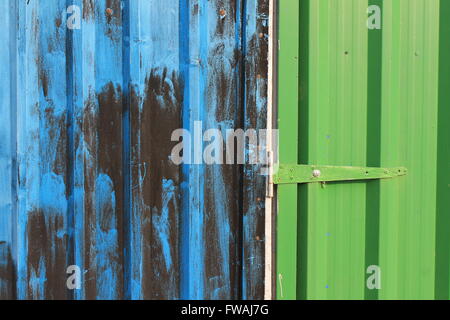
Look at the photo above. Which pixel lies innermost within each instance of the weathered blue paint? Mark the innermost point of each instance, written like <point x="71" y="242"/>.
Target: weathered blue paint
<point x="254" y="39"/>
<point x="82" y="72"/>
<point x="85" y="146"/>
<point x="106" y="240"/>
<point x="6" y="129"/>
<point x="162" y="224"/>
<point x="192" y="220"/>
<point x="7" y="287"/>
<point x="41" y="154"/>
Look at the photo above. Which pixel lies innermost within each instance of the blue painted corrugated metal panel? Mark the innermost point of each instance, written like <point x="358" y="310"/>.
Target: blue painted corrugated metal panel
<point x="87" y="117"/>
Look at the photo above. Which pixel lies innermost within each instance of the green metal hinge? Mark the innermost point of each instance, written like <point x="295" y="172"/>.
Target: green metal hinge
<point x="297" y="173"/>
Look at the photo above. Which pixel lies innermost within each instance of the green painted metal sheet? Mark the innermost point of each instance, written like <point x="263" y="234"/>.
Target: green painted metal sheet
<point x="365" y="98"/>
<point x="288" y="143"/>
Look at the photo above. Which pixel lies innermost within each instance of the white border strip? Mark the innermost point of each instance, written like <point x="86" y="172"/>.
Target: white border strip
<point x="269" y="196"/>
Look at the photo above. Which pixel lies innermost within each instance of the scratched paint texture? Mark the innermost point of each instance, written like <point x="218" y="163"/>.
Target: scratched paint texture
<point x="86" y="175"/>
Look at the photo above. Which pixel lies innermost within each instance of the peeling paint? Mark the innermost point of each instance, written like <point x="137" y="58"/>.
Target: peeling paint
<point x="89" y="116"/>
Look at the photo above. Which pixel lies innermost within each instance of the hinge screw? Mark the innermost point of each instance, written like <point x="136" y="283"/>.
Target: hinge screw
<point x="316" y="173"/>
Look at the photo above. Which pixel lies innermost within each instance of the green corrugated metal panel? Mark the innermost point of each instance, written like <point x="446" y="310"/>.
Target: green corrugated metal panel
<point x="374" y="98"/>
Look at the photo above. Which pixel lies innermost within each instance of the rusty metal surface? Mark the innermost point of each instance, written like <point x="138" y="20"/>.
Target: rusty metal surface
<point x="86" y="174"/>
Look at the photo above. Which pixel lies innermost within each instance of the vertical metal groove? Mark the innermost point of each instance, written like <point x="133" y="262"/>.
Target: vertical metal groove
<point x="241" y="35"/>
<point x="443" y="174"/>
<point x="186" y="192"/>
<point x="303" y="152"/>
<point x="374" y="96"/>
<point x="70" y="148"/>
<point x="14" y="24"/>
<point x="126" y="157"/>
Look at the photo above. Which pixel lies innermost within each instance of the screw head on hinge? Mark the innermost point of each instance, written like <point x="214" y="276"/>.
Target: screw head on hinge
<point x="316" y="173"/>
